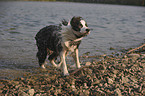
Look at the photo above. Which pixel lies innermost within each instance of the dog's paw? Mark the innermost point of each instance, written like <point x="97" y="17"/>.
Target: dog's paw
<point x="42" y="66"/>
<point x="66" y="74"/>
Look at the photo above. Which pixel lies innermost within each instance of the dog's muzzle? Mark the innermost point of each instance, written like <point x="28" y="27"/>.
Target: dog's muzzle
<point x="87" y="32"/>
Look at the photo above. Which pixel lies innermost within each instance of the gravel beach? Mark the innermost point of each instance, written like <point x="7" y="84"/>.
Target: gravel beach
<point x="110" y="76"/>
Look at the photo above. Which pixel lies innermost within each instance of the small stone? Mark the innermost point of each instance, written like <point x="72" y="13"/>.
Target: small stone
<point x="105" y="84"/>
<point x="125" y="79"/>
<point x="115" y="71"/>
<point x="88" y="63"/>
<point x="21" y="93"/>
<point x="17" y="86"/>
<point x="142" y="55"/>
<point x="1" y="86"/>
<point x="96" y="81"/>
<point x="125" y="56"/>
<point x="38" y="95"/>
<point x="111" y="48"/>
<point x="134" y="56"/>
<point x="1" y="92"/>
<point x="118" y="92"/>
<point x="31" y="92"/>
<point x="102" y="68"/>
<point x="110" y="81"/>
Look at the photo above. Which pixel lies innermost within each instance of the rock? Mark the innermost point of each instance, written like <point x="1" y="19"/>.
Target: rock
<point x="115" y="71"/>
<point x="110" y="81"/>
<point x="142" y="55"/>
<point x="88" y="63"/>
<point x="134" y="56"/>
<point x="38" y="95"/>
<point x="1" y="86"/>
<point x="125" y="56"/>
<point x="96" y="81"/>
<point x="125" y="79"/>
<point x="118" y="92"/>
<point x="102" y="68"/>
<point x="111" y="48"/>
<point x="22" y="93"/>
<point x="31" y="92"/>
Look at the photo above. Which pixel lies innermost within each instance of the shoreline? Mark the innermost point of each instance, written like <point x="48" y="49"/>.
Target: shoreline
<point x="122" y="75"/>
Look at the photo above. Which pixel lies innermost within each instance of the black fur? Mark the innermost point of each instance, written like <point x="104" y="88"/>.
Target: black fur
<point x="49" y="41"/>
<point x="48" y="38"/>
<point x="75" y="22"/>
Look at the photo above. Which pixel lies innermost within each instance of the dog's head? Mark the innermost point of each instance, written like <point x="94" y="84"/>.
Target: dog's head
<point x="79" y="26"/>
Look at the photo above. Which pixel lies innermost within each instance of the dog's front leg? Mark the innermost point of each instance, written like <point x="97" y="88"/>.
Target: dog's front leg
<point x="77" y="58"/>
<point x="64" y="66"/>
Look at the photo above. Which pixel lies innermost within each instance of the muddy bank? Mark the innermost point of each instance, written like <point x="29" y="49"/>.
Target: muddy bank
<point x="119" y="76"/>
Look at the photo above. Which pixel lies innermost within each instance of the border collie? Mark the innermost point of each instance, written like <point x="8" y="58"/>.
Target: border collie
<point x="54" y="41"/>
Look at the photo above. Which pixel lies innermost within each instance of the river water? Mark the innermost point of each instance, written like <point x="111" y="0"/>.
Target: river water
<point x="113" y="26"/>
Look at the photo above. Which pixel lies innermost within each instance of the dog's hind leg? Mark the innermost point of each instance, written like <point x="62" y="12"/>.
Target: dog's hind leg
<point x="52" y="58"/>
<point x="41" y="57"/>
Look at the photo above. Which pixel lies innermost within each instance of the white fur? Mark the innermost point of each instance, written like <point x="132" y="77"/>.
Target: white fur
<point x="83" y="29"/>
<point x="68" y="35"/>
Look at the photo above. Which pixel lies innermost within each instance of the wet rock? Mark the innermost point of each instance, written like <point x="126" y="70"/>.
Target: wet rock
<point x="125" y="56"/>
<point x="134" y="56"/>
<point x="118" y="92"/>
<point x="1" y="86"/>
<point x="22" y="93"/>
<point x="111" y="48"/>
<point x="115" y="71"/>
<point x="30" y="92"/>
<point x="88" y="63"/>
<point x="96" y="81"/>
<point x="125" y="79"/>
<point x="102" y="68"/>
<point x="110" y="81"/>
<point x="142" y="55"/>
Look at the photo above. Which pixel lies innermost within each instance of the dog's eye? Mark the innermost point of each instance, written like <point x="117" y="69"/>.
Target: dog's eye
<point x="86" y="25"/>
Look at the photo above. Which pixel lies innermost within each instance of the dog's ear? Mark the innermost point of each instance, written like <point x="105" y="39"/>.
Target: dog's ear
<point x="75" y="20"/>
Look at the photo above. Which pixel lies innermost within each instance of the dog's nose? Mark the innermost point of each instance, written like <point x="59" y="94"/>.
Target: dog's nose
<point x="87" y="30"/>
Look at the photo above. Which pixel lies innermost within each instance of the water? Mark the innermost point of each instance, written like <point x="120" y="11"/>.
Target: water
<point x="113" y="26"/>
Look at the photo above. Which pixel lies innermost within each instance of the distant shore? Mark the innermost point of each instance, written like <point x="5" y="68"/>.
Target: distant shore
<point x="116" y="2"/>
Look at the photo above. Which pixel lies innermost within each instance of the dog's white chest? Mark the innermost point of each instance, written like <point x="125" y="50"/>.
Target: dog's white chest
<point x="71" y="46"/>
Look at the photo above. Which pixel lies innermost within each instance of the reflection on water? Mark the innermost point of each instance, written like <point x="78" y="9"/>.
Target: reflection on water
<point x="113" y="26"/>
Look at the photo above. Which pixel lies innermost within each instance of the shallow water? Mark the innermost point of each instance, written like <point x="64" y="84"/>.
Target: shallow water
<point x="113" y="26"/>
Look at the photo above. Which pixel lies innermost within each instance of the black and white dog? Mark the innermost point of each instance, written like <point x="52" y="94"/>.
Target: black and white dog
<point x="59" y="40"/>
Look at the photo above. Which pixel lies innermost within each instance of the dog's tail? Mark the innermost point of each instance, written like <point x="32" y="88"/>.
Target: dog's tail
<point x="64" y="22"/>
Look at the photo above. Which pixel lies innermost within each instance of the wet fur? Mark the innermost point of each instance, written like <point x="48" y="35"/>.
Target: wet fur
<point x="59" y="40"/>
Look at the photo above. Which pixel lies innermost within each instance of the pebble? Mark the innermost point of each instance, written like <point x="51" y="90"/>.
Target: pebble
<point x="22" y="93"/>
<point x="110" y="81"/>
<point x="134" y="56"/>
<point x="118" y="92"/>
<point x="125" y="79"/>
<point x="88" y="63"/>
<point x="31" y="92"/>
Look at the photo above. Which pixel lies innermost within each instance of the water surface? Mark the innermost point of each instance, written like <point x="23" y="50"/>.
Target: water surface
<point x="113" y="26"/>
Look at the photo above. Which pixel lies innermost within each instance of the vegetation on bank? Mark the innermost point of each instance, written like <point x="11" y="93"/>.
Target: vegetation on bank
<point x="122" y="2"/>
<point x="119" y="2"/>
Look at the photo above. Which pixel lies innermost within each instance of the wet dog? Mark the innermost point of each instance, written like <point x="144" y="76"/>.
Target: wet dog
<point x="54" y="41"/>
